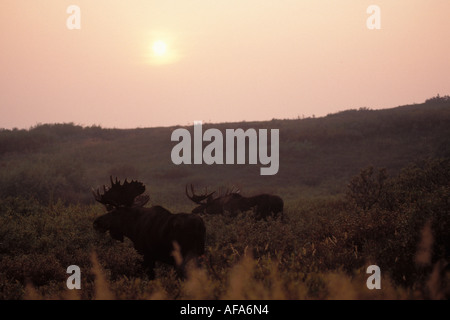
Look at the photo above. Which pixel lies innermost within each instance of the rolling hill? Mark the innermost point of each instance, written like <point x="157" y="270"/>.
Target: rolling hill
<point x="318" y="156"/>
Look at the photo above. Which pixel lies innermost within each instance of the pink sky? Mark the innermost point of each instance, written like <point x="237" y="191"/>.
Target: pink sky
<point x="226" y="60"/>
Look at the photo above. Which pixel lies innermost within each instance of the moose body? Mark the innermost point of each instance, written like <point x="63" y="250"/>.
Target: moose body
<point x="155" y="232"/>
<point x="231" y="203"/>
<point x="265" y="205"/>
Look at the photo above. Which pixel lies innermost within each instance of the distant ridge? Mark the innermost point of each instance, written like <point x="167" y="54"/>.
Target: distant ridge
<point x="318" y="156"/>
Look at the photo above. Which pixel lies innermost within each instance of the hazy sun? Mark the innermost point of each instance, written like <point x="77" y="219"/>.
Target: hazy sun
<point x="159" y="48"/>
<point x="162" y="49"/>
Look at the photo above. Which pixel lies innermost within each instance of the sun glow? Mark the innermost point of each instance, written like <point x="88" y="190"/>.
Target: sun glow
<point x="162" y="51"/>
<point x="159" y="48"/>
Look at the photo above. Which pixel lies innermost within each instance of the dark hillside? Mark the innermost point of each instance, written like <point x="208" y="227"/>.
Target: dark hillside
<point x="317" y="155"/>
<point x="342" y="210"/>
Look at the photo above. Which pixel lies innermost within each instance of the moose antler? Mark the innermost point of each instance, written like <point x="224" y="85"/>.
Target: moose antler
<point x="233" y="190"/>
<point x="223" y="192"/>
<point x="198" y="198"/>
<point x="128" y="194"/>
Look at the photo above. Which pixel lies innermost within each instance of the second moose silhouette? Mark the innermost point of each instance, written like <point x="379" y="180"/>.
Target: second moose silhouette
<point x="232" y="201"/>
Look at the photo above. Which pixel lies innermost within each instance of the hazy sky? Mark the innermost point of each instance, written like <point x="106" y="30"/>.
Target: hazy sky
<point x="219" y="60"/>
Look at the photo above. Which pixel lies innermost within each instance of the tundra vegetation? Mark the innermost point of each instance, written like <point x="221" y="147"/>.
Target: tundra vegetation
<point x="360" y="187"/>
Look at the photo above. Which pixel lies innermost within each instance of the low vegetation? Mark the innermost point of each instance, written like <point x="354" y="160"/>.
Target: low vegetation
<point x="360" y="188"/>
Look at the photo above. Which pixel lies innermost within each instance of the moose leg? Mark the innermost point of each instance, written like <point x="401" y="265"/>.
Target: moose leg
<point x="259" y="213"/>
<point x="264" y="212"/>
<point x="190" y="261"/>
<point x="181" y="271"/>
<point x="149" y="266"/>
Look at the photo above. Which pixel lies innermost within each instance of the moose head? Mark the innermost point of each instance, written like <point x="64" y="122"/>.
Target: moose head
<point x="229" y="200"/>
<point x="203" y="200"/>
<point x="119" y="200"/>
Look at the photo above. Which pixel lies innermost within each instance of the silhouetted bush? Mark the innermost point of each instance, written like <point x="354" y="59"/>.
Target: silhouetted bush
<point x="438" y="99"/>
<point x="391" y="213"/>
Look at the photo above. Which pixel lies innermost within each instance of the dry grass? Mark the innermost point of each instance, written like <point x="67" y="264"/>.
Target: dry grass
<point x="424" y="251"/>
<point x="243" y="283"/>
<point x="320" y="251"/>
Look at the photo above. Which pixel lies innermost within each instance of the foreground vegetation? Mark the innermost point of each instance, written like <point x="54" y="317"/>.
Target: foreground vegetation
<point x="341" y="214"/>
<point x="320" y="251"/>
